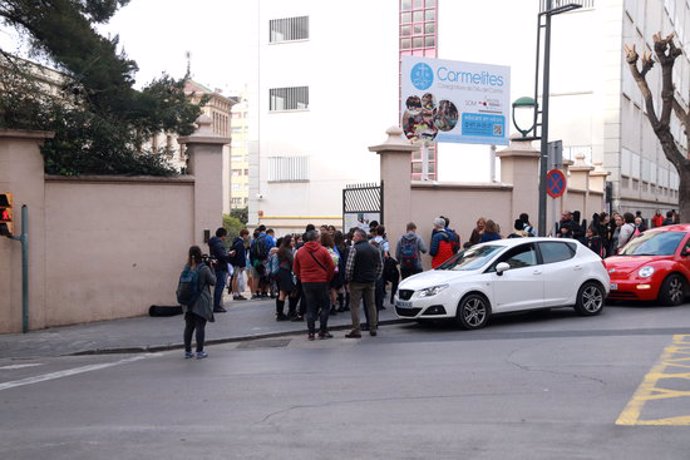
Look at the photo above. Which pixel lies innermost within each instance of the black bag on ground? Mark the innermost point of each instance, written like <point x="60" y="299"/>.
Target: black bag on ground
<point x="160" y="310"/>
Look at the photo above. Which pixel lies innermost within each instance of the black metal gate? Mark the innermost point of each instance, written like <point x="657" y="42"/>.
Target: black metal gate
<point x="362" y="203"/>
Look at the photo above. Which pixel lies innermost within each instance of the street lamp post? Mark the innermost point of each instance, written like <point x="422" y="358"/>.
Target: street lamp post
<point x="561" y="7"/>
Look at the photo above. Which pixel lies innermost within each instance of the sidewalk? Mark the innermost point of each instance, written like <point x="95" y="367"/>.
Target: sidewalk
<point x="245" y="320"/>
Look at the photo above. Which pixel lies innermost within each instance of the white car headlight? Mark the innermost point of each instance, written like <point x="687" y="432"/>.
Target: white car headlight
<point x="645" y="272"/>
<point x="432" y="291"/>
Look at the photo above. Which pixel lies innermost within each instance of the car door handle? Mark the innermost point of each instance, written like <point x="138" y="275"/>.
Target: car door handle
<point x="577" y="267"/>
<point x="536" y="272"/>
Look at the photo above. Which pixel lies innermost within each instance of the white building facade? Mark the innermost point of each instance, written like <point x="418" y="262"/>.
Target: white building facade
<point x="327" y="86"/>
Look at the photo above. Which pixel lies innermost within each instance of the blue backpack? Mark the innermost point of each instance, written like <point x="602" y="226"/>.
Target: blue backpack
<point x="408" y="253"/>
<point x="188" y="290"/>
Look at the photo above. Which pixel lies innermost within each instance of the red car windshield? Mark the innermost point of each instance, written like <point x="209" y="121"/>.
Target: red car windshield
<point x="654" y="244"/>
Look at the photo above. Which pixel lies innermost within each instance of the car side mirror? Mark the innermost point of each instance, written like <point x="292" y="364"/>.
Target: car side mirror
<point x="685" y="252"/>
<point x="501" y="267"/>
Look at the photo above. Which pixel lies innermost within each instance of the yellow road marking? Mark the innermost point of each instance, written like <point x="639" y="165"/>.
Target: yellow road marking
<point x="649" y="389"/>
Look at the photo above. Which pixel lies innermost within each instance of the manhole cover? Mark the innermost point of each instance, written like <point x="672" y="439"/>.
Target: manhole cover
<point x="269" y="343"/>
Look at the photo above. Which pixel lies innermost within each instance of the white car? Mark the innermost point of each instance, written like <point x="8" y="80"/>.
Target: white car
<point x="508" y="275"/>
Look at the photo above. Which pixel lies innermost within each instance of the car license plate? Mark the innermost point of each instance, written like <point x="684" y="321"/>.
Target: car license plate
<point x="403" y="303"/>
<point x="614" y="286"/>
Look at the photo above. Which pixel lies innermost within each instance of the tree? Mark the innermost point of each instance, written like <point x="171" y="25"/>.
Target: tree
<point x="100" y="120"/>
<point x="666" y="53"/>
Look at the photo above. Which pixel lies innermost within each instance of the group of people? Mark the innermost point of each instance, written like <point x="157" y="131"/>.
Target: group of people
<point x="607" y="234"/>
<point x="322" y="272"/>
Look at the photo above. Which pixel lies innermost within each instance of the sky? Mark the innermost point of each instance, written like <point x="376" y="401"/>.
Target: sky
<point x="219" y="34"/>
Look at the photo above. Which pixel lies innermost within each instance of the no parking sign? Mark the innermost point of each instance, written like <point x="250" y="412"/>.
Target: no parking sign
<point x="555" y="183"/>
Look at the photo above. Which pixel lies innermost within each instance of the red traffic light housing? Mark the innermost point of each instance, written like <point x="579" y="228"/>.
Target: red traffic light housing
<point x="6" y="214"/>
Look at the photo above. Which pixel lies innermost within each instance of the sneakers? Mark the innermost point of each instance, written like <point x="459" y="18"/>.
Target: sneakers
<point x="297" y="318"/>
<point x="201" y="355"/>
<point x="333" y="311"/>
<point x="353" y="335"/>
<point x="310" y="336"/>
<point x="239" y="297"/>
<point x="188" y="355"/>
<point x="372" y="332"/>
<point x="219" y="310"/>
<point x="325" y="335"/>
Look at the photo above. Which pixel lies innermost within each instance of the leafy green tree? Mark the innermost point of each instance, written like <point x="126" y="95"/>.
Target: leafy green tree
<point x="100" y="120"/>
<point x="242" y="214"/>
<point x="233" y="225"/>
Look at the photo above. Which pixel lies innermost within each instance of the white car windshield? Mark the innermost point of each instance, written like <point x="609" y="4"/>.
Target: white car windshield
<point x="653" y="244"/>
<point x="470" y="259"/>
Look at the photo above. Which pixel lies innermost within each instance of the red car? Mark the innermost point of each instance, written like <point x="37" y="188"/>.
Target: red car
<point x="653" y="266"/>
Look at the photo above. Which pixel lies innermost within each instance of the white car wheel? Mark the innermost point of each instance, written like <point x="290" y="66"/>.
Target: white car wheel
<point x="473" y="312"/>
<point x="590" y="299"/>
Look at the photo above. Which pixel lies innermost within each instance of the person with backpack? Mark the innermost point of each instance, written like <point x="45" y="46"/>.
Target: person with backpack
<point x="216" y="246"/>
<point x="441" y="244"/>
<point x="258" y="255"/>
<point x="409" y="252"/>
<point x="239" y="263"/>
<point x="194" y="295"/>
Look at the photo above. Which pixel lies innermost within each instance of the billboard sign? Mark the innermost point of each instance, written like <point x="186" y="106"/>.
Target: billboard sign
<point x="454" y="101"/>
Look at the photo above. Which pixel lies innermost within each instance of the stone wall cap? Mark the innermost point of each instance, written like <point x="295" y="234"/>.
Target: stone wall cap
<point x="519" y="147"/>
<point x="210" y="140"/>
<point x="396" y="142"/>
<point x="183" y="178"/>
<point x="26" y="134"/>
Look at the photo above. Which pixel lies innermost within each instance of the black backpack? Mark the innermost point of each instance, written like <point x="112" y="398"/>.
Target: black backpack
<point x="258" y="250"/>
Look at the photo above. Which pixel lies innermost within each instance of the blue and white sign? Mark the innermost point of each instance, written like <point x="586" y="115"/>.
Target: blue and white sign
<point x="454" y="101"/>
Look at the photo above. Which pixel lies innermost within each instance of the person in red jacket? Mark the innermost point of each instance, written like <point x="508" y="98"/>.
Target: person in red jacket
<point x="314" y="267"/>
<point x="441" y="248"/>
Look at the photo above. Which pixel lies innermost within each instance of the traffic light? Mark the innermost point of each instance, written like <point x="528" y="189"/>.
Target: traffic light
<point x="6" y="223"/>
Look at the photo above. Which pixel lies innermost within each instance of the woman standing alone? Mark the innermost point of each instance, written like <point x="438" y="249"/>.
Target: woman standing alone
<point x="201" y="311"/>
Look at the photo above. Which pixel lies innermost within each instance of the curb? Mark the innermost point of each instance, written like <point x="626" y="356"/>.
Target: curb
<point x="179" y="346"/>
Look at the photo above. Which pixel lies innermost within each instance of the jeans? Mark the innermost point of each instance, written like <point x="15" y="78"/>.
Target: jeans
<point x="379" y="293"/>
<point x="221" y="277"/>
<point x="317" y="299"/>
<point x="357" y="292"/>
<point x="407" y="272"/>
<point x="193" y="322"/>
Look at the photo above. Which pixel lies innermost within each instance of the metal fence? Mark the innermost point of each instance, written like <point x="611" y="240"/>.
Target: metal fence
<point x="362" y="203"/>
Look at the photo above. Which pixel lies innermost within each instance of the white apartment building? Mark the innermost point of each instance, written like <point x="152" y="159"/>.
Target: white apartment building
<point x="326" y="90"/>
<point x="327" y="87"/>
<point x="596" y="106"/>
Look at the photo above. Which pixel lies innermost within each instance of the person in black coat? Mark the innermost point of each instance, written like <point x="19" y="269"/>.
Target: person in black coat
<point x="239" y="263"/>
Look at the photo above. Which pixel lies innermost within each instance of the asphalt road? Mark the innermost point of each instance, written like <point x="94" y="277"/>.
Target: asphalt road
<point x="538" y="386"/>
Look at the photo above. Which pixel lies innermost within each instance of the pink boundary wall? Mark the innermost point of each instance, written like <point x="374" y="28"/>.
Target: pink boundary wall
<point x="102" y="247"/>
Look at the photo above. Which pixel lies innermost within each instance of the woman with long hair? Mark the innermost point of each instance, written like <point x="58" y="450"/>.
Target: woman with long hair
<point x="284" y="278"/>
<point x="491" y="232"/>
<point x="201" y="311"/>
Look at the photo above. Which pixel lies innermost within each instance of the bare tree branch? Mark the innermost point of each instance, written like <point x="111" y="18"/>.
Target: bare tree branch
<point x="632" y="57"/>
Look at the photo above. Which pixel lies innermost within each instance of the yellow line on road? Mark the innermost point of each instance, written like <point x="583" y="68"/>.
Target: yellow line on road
<point x="650" y="389"/>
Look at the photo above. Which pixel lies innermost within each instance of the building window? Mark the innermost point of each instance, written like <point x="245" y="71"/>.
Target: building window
<point x="295" y="98"/>
<point x="288" y="169"/>
<point x="288" y="29"/>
